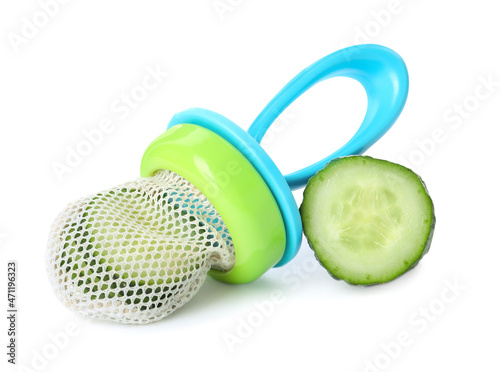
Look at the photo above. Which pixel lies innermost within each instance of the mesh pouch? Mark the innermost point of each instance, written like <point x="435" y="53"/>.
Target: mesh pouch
<point x="137" y="252"/>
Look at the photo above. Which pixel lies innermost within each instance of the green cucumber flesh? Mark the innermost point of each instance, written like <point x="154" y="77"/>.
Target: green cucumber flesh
<point x="367" y="220"/>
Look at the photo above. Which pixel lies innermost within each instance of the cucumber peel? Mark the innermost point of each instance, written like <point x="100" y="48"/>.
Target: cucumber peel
<point x="367" y="220"/>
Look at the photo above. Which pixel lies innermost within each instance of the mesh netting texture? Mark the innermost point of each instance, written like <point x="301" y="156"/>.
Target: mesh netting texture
<point x="136" y="252"/>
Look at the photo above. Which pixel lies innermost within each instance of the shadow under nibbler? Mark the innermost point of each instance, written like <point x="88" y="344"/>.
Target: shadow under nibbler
<point x="215" y="295"/>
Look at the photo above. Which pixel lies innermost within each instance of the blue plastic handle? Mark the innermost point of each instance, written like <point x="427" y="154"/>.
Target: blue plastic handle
<point x="380" y="70"/>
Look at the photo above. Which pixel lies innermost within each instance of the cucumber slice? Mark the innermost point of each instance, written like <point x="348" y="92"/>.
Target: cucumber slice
<point x="367" y="220"/>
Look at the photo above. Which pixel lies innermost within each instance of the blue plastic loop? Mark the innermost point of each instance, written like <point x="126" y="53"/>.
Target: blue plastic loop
<point x="384" y="76"/>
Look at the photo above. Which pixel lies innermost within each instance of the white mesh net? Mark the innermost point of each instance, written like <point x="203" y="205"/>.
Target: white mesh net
<point x="137" y="252"/>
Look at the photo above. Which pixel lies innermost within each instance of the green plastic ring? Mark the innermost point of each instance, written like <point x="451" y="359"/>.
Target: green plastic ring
<point x="235" y="189"/>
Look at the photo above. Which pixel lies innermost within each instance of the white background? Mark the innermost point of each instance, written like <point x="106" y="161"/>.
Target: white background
<point x="64" y="80"/>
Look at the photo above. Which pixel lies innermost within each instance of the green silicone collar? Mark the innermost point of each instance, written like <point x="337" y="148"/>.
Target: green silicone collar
<point x="235" y="189"/>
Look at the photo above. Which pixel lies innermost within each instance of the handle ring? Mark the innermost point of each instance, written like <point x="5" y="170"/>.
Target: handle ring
<point x="384" y="76"/>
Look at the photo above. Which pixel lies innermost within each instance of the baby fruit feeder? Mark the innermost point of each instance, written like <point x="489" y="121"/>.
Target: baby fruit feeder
<point x="210" y="200"/>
